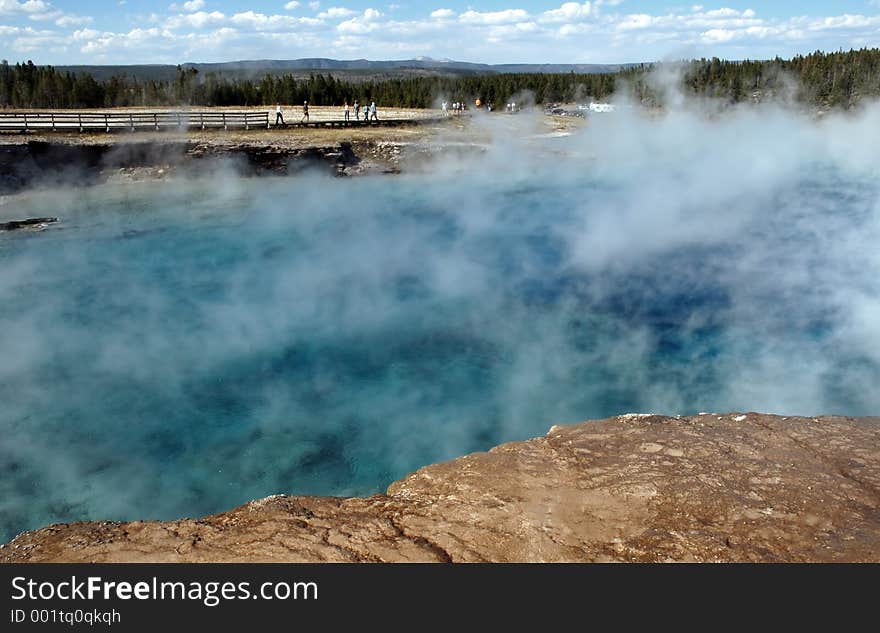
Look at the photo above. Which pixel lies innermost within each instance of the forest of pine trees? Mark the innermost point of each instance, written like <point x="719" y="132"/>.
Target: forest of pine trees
<point x="839" y="79"/>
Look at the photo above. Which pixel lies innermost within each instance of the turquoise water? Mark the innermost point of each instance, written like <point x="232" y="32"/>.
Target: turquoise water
<point x="177" y="350"/>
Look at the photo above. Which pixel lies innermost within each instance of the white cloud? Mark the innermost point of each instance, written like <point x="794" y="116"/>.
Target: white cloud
<point x="335" y="13"/>
<point x="197" y="20"/>
<point x="11" y="7"/>
<point x="85" y="34"/>
<point x="366" y="23"/>
<point x="507" y="16"/>
<point x="35" y="10"/>
<point x="188" y="7"/>
<point x="40" y="11"/>
<point x="598" y="31"/>
<point x="568" y="12"/>
<point x="443" y="14"/>
<point x="73" y="20"/>
<point x="262" y="22"/>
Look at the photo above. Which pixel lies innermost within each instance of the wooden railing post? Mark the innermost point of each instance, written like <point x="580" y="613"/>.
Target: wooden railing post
<point x="53" y="121"/>
<point x="179" y="122"/>
<point x="224" y="121"/>
<point x="156" y="121"/>
<point x="246" y="126"/>
<point x="106" y="122"/>
<point x="202" y="120"/>
<point x="131" y="121"/>
<point x="79" y="118"/>
<point x="25" y="122"/>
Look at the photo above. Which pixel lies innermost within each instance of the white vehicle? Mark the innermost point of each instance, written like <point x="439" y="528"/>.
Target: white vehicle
<point x="601" y="107"/>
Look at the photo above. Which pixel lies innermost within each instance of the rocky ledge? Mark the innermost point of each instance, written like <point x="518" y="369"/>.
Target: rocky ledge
<point x="44" y="164"/>
<point x="632" y="488"/>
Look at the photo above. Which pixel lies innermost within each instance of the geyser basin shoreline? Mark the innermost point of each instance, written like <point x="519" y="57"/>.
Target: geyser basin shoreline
<point x="41" y="163"/>
<point x="41" y="160"/>
<point x="639" y="488"/>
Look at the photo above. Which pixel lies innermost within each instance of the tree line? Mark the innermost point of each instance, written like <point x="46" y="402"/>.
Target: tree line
<point x="840" y="78"/>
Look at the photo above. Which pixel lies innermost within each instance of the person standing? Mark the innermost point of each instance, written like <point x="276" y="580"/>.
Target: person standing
<point x="373" y="111"/>
<point x="346" y="111"/>
<point x="357" y="110"/>
<point x="279" y="117"/>
<point x="305" y="118"/>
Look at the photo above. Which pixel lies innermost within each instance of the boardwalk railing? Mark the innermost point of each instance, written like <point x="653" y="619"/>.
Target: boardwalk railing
<point x="170" y="120"/>
<point x="130" y="121"/>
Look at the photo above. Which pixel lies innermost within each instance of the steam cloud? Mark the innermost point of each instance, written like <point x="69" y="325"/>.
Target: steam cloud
<point x="173" y="352"/>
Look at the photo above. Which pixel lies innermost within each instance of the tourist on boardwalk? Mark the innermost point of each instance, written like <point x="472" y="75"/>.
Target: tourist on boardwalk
<point x="373" y="111"/>
<point x="305" y="118"/>
<point x="346" y="111"/>
<point x="279" y="118"/>
<point x="445" y="106"/>
<point x="357" y="110"/>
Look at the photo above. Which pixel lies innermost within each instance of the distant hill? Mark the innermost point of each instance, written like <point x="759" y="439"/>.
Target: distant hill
<point x="442" y="65"/>
<point x="363" y="68"/>
<point x="822" y="80"/>
<point x="155" y="72"/>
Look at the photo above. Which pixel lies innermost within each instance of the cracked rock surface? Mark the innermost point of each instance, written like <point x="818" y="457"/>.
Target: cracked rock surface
<point x="711" y="487"/>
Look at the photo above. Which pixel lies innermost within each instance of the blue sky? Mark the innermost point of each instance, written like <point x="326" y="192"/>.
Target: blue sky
<point x="496" y="31"/>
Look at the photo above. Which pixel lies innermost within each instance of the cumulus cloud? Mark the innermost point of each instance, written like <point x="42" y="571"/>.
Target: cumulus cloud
<point x="11" y="7"/>
<point x="334" y="13"/>
<point x="598" y="31"/>
<point x="260" y="21"/>
<point x="188" y="7"/>
<point x="73" y="20"/>
<point x="568" y="12"/>
<point x="443" y="14"/>
<point x="368" y="22"/>
<point x="39" y="11"/>
<point x="507" y="16"/>
<point x="197" y="20"/>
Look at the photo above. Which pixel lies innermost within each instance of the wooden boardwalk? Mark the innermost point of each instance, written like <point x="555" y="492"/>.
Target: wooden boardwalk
<point x="73" y="121"/>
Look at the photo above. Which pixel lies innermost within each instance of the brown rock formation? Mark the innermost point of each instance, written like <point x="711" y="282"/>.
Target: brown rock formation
<point x="632" y="488"/>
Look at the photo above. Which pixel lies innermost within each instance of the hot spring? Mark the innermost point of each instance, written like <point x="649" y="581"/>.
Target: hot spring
<point x="178" y="348"/>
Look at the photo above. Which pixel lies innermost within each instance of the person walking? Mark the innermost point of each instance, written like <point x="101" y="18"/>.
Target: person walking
<point x="357" y="110"/>
<point x="305" y="118"/>
<point x="373" y="116"/>
<point x="346" y="111"/>
<point x="279" y="117"/>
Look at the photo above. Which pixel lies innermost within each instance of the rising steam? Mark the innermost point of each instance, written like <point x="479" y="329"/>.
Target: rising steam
<point x="174" y="350"/>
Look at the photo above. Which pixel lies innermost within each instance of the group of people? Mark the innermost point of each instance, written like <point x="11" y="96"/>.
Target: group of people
<point x="458" y="107"/>
<point x="279" y="115"/>
<point x="369" y="112"/>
